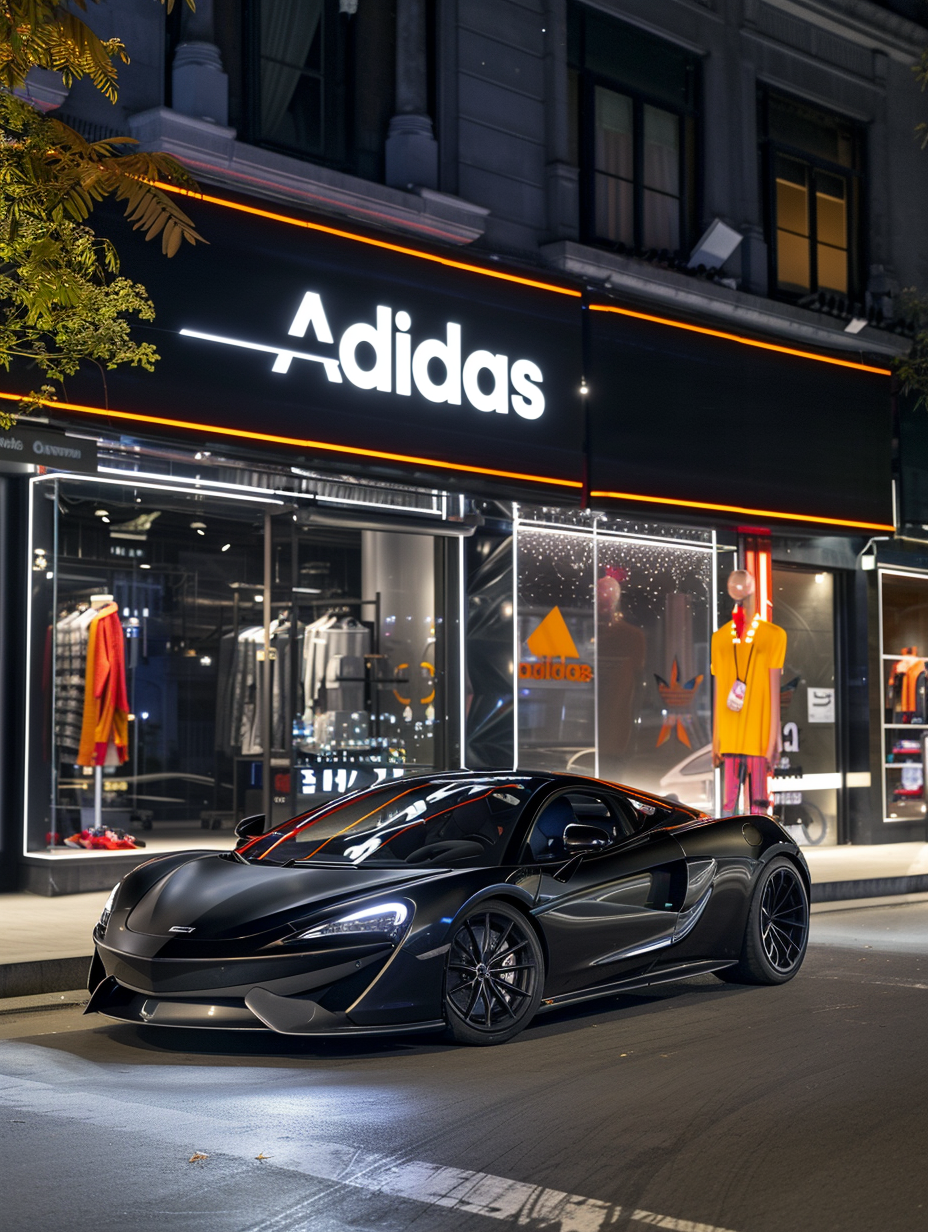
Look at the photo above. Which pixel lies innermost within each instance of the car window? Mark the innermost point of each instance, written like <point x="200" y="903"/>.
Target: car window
<point x="442" y="822"/>
<point x="546" y="840"/>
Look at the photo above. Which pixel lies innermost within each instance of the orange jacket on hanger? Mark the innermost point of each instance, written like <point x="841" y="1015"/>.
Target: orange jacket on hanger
<point x="106" y="705"/>
<point x="909" y="668"/>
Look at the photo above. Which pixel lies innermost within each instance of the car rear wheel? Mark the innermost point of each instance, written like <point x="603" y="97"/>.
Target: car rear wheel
<point x="777" y="931"/>
<point x="494" y="975"/>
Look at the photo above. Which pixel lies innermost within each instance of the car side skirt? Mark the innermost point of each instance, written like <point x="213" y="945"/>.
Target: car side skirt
<point x="658" y="975"/>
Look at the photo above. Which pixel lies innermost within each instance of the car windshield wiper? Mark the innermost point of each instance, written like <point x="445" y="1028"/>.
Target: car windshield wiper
<point x="302" y="862"/>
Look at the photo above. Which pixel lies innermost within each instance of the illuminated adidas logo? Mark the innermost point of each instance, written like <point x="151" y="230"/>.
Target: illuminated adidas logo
<point x="552" y="646"/>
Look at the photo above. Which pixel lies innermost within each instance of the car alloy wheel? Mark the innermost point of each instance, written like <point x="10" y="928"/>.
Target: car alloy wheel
<point x="784" y="919"/>
<point x="494" y="974"/>
<point x="777" y="930"/>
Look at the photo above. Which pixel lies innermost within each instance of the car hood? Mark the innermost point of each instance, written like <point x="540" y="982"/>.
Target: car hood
<point x="216" y="897"/>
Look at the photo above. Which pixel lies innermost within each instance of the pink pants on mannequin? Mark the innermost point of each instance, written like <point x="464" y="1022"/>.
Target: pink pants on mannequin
<point x="738" y="768"/>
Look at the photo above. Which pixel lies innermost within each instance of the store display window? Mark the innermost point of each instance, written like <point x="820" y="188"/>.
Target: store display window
<point x="158" y="673"/>
<point x="806" y="784"/>
<point x="904" y="651"/>
<point x="611" y="646"/>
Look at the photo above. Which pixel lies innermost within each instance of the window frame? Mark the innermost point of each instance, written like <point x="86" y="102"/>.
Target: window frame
<point x="337" y="96"/>
<point x="690" y="153"/>
<point x="589" y="83"/>
<point x="856" y="179"/>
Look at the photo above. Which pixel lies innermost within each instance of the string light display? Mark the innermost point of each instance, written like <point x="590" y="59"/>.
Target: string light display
<point x="666" y="596"/>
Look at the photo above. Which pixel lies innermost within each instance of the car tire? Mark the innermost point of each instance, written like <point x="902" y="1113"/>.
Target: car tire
<point x="494" y="975"/>
<point x="777" y="931"/>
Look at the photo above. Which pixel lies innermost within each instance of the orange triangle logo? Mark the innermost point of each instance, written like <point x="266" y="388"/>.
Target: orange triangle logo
<point x="552" y="640"/>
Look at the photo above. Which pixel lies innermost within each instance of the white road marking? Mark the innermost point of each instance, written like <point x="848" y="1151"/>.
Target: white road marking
<point x="459" y="1189"/>
<point x="677" y="1225"/>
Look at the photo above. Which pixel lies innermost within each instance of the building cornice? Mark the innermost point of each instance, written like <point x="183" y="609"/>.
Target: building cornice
<point x="215" y="157"/>
<point x="858" y="21"/>
<point x="650" y="286"/>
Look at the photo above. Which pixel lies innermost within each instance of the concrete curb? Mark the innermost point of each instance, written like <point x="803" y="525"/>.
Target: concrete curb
<point x="869" y="887"/>
<point x="27" y="979"/>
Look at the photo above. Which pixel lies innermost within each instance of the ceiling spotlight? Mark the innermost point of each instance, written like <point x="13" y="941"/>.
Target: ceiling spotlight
<point x="584" y="388"/>
<point x="106" y="520"/>
<point x="144" y="566"/>
<point x="101" y="513"/>
<point x="205" y="660"/>
<point x="201" y="532"/>
<point x="198" y="526"/>
<point x="259" y="598"/>
<point x="225" y="547"/>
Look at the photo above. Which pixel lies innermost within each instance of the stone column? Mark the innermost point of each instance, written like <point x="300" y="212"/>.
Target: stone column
<point x="199" y="86"/>
<point x="562" y="180"/>
<point x="411" y="148"/>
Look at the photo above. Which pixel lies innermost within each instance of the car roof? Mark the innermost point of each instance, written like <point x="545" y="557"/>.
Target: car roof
<point x="563" y="779"/>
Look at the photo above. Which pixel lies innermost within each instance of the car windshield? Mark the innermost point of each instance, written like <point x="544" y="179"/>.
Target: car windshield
<point x="437" y="821"/>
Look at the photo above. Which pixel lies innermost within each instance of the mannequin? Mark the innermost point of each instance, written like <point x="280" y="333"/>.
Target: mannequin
<point x="620" y="657"/>
<point x="747" y="662"/>
<point x="104" y="732"/>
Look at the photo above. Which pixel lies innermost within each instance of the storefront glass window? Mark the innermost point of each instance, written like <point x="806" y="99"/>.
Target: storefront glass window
<point x="147" y="700"/>
<point x="613" y="632"/>
<point x="904" y="609"/>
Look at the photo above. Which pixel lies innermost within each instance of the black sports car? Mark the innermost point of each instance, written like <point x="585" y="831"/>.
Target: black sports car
<point x="465" y="902"/>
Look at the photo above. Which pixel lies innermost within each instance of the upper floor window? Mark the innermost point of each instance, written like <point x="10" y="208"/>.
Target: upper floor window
<point x="634" y="122"/>
<point x="319" y="80"/>
<point x="813" y="176"/>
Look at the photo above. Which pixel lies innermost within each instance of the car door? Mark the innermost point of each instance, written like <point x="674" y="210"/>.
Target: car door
<point x="608" y="910"/>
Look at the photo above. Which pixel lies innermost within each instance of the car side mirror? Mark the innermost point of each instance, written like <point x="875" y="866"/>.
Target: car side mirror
<point x="580" y="838"/>
<point x="250" y="827"/>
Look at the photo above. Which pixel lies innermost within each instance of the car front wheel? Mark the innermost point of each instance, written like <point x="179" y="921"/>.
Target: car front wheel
<point x="777" y="931"/>
<point x="494" y="974"/>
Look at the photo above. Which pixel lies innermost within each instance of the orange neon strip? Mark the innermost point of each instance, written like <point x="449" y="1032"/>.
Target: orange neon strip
<point x="755" y="513"/>
<point x="241" y="433"/>
<point x="751" y="342"/>
<point x="364" y="239"/>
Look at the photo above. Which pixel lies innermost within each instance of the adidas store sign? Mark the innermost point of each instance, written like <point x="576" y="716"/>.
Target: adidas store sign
<point x="381" y="357"/>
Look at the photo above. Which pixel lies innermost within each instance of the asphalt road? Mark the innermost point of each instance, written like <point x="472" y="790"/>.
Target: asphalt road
<point x="702" y="1107"/>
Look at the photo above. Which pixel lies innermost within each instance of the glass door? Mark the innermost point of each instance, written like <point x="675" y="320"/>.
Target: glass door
<point x="807" y="781"/>
<point x="904" y="647"/>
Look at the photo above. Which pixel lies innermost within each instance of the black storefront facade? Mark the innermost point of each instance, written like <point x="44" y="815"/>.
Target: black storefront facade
<point x="380" y="509"/>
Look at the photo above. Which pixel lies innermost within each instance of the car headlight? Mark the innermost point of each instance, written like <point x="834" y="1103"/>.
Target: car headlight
<point x="389" y="919"/>
<point x="108" y="906"/>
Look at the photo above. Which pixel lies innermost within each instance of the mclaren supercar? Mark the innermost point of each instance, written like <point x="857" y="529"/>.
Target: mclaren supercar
<point x="466" y="902"/>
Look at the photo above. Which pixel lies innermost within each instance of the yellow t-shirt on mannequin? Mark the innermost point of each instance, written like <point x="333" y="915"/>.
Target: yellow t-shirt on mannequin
<point x="750" y="660"/>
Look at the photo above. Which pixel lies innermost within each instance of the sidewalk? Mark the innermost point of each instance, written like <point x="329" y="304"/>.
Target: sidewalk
<point x="45" y="942"/>
<point x="859" y="874"/>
